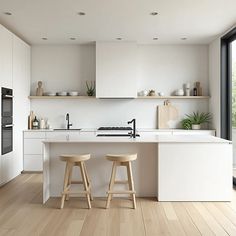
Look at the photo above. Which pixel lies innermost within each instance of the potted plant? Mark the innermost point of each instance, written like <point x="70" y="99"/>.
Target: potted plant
<point x="152" y="93"/>
<point x="186" y="123"/>
<point x="195" y="120"/>
<point x="90" y="88"/>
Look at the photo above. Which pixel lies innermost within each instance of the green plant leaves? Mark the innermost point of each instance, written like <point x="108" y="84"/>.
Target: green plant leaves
<point x="196" y="118"/>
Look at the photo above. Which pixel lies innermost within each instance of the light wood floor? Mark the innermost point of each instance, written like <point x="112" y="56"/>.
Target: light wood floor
<point x="21" y="213"/>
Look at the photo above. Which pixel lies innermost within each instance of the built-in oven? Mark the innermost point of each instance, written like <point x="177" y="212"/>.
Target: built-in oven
<point x="7" y="102"/>
<point x="7" y="135"/>
<point x="7" y="120"/>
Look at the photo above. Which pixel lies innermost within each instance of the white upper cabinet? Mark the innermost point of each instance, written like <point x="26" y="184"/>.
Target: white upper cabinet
<point x="116" y="70"/>
<point x="5" y="57"/>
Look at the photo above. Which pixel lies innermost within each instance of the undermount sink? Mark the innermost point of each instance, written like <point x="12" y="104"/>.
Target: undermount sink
<point x="67" y="129"/>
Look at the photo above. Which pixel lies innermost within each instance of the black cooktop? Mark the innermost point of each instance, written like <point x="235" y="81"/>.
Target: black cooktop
<point x="115" y="135"/>
<point x="114" y="128"/>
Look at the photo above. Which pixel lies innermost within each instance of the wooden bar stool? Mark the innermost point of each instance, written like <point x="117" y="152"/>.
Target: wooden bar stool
<point x="121" y="160"/>
<point x="71" y="161"/>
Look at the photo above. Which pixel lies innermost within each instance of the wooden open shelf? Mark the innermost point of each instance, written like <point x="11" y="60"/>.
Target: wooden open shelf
<point x="145" y="97"/>
<point x="173" y="97"/>
<point x="61" y="97"/>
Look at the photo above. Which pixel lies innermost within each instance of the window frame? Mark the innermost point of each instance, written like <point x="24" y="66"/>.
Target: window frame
<point x="226" y="84"/>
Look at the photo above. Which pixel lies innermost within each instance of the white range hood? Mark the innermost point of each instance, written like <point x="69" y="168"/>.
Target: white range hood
<point x="116" y="70"/>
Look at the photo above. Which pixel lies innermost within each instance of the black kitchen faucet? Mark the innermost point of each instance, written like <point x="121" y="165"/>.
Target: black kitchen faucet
<point x="133" y="134"/>
<point x="68" y="121"/>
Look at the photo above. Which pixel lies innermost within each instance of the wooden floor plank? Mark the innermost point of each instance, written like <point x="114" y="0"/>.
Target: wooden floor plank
<point x="210" y="220"/>
<point x="186" y="221"/>
<point x="227" y="211"/>
<point x="197" y="219"/>
<point x="154" y="218"/>
<point x="173" y="222"/>
<point x="221" y="218"/>
<point x="22" y="214"/>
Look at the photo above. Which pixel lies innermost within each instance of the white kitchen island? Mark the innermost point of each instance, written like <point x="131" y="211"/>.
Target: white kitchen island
<point x="172" y="168"/>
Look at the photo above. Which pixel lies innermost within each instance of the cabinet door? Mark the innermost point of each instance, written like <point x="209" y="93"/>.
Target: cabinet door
<point x="116" y="70"/>
<point x="35" y="134"/>
<point x="5" y="57"/>
<point x="7" y="172"/>
<point x="58" y="135"/>
<point x="33" y="163"/>
<point x="33" y="146"/>
<point x="21" y="105"/>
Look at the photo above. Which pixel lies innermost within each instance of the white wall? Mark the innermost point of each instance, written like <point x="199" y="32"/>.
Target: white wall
<point x="214" y="83"/>
<point x="163" y="68"/>
<point x="62" y="67"/>
<point x="167" y="67"/>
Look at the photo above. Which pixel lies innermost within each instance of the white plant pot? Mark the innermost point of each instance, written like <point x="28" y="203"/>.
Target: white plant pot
<point x="196" y="127"/>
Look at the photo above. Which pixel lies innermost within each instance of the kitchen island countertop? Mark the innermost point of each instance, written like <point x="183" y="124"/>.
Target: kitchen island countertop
<point x="147" y="139"/>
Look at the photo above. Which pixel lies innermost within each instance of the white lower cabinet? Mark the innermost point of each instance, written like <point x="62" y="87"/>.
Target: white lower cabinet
<point x="33" y="162"/>
<point x="33" y="150"/>
<point x="33" y="147"/>
<point x="59" y="135"/>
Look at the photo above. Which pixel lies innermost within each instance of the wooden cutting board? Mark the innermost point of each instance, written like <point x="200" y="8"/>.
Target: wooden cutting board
<point x="167" y="114"/>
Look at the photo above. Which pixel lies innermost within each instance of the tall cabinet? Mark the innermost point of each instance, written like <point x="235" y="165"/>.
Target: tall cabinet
<point x="14" y="74"/>
<point x="5" y="57"/>
<point x="21" y="104"/>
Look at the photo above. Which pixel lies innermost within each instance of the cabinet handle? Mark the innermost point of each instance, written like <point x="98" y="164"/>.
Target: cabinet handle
<point x="8" y="96"/>
<point x="7" y="126"/>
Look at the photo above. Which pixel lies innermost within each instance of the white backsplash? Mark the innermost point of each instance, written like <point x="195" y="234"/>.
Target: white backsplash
<point x="92" y="113"/>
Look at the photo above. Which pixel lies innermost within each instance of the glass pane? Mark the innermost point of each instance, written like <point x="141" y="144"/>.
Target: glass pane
<point x="234" y="84"/>
<point x="234" y="99"/>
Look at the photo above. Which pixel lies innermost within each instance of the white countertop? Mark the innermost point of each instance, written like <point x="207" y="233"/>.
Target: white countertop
<point x="149" y="139"/>
<point x="96" y="130"/>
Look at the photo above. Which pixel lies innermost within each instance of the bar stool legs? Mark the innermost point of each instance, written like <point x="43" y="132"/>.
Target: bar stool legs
<point x="85" y="183"/>
<point x="88" y="182"/>
<point x="121" y="161"/>
<point x="131" y="183"/>
<point x="111" y="184"/>
<point x="65" y="188"/>
<point x="71" y="161"/>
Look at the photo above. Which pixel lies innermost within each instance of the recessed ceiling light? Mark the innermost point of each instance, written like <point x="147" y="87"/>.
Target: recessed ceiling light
<point x="8" y="13"/>
<point x="72" y="38"/>
<point x="44" y="38"/>
<point x="155" y="38"/>
<point x="184" y="38"/>
<point x="118" y="38"/>
<point x="154" y="13"/>
<point x="81" y="13"/>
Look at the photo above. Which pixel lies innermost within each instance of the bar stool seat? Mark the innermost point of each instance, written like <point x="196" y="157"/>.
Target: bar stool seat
<point x="121" y="160"/>
<point x="75" y="158"/>
<point x="71" y="161"/>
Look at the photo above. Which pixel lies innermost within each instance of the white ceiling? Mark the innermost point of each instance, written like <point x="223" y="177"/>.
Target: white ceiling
<point x="198" y="20"/>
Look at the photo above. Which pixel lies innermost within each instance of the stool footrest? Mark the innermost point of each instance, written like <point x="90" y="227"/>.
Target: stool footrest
<point x="79" y="192"/>
<point x="122" y="192"/>
<point x="76" y="182"/>
<point x="121" y="182"/>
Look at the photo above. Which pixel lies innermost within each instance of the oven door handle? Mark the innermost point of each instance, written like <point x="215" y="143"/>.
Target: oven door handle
<point x="8" y="96"/>
<point x="7" y="126"/>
